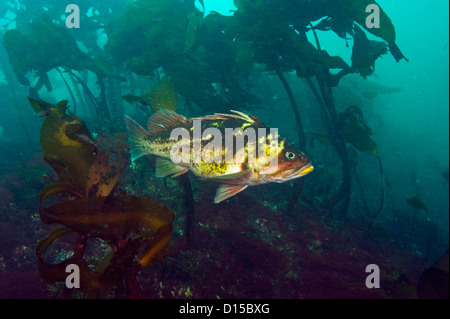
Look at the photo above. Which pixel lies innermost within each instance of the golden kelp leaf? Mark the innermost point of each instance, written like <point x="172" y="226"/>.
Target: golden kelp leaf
<point x="132" y="98"/>
<point x="69" y="148"/>
<point x="23" y="54"/>
<point x="145" y="64"/>
<point x="192" y="84"/>
<point x="416" y="203"/>
<point x="63" y="105"/>
<point x="360" y="139"/>
<point x="365" y="53"/>
<point x="309" y="60"/>
<point x="42" y="106"/>
<point x="105" y="172"/>
<point x="111" y="218"/>
<point x="43" y="81"/>
<point x="144" y="104"/>
<point x="195" y="21"/>
<point x="162" y="95"/>
<point x="156" y="246"/>
<point x="357" y="10"/>
<point x="244" y="56"/>
<point x="101" y="178"/>
<point x="355" y="132"/>
<point x="99" y="66"/>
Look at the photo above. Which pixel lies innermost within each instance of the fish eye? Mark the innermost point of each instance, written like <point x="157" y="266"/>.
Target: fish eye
<point x="290" y="155"/>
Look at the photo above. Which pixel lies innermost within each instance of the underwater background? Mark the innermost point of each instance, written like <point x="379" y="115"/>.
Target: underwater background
<point x="368" y="106"/>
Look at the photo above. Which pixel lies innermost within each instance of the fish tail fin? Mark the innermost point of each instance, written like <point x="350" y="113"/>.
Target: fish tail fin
<point x="138" y="137"/>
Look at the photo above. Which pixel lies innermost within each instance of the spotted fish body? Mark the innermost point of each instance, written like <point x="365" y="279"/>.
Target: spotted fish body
<point x="236" y="167"/>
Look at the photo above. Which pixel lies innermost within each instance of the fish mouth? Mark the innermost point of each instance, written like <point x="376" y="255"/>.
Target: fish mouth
<point x="304" y="170"/>
<point x="308" y="168"/>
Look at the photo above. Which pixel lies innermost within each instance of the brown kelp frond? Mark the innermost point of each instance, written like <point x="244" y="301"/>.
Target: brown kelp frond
<point x="143" y="225"/>
<point x="416" y="203"/>
<point x="109" y="219"/>
<point x="35" y="51"/>
<point x="355" y="131"/>
<point x="161" y="95"/>
<point x="88" y="171"/>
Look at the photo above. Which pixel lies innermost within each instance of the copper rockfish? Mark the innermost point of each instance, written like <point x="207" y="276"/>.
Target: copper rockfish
<point x="244" y="169"/>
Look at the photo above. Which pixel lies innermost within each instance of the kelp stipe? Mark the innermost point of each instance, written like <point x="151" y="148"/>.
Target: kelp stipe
<point x="138" y="230"/>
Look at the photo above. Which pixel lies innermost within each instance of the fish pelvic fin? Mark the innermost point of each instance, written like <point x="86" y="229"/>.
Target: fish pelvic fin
<point x="226" y="191"/>
<point x="167" y="168"/>
<point x="138" y="137"/>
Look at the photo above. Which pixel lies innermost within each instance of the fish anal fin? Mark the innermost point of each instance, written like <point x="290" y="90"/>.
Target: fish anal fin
<point x="166" y="168"/>
<point x="226" y="191"/>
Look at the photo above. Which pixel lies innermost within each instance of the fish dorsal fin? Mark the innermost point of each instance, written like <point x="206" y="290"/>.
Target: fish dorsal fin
<point x="226" y="191"/>
<point x="164" y="120"/>
<point x="243" y="116"/>
<point x="167" y="168"/>
<point x="236" y="116"/>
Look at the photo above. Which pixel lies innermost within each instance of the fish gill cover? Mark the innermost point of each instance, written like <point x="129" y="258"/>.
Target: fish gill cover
<point x="161" y="57"/>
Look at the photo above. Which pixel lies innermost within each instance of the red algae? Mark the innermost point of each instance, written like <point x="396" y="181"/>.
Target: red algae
<point x="243" y="249"/>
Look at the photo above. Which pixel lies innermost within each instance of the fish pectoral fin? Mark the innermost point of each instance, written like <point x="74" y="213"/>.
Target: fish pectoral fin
<point x="226" y="191"/>
<point x="167" y="168"/>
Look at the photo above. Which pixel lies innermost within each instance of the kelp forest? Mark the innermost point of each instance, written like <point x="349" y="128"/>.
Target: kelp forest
<point x="72" y="195"/>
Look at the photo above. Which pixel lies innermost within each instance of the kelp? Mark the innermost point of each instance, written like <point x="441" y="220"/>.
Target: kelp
<point x="145" y="27"/>
<point x="416" y="203"/>
<point x="195" y="22"/>
<point x="161" y="95"/>
<point x="48" y="46"/>
<point x="88" y="171"/>
<point x="355" y="131"/>
<point x="338" y="16"/>
<point x="277" y="31"/>
<point x="67" y="146"/>
<point x="365" y="53"/>
<point x="194" y="52"/>
<point x="281" y="46"/>
<point x="209" y="63"/>
<point x="197" y="52"/>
